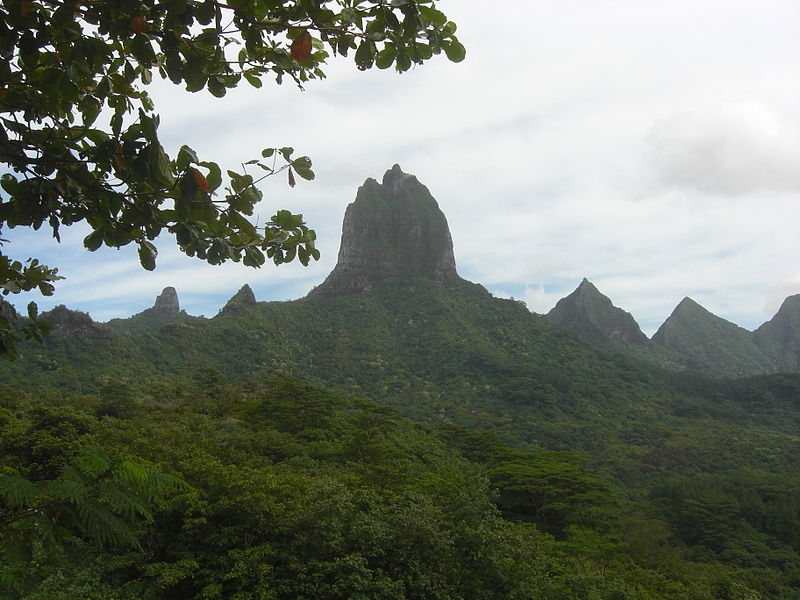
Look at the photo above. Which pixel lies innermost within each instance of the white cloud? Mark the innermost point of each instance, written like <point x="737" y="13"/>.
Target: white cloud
<point x="734" y="148"/>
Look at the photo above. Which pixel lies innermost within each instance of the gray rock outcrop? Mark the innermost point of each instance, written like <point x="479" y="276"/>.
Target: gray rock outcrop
<point x="392" y="230"/>
<point x="166" y="306"/>
<point x="74" y="323"/>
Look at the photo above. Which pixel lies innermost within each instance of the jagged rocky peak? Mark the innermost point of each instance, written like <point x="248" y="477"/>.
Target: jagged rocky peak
<point x="594" y="317"/>
<point x="166" y="305"/>
<point x="392" y="230"/>
<point x="239" y="301"/>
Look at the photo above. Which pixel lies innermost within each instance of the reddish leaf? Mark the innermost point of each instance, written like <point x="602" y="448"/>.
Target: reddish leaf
<point x="291" y="178"/>
<point x="201" y="181"/>
<point x="139" y="24"/>
<point x="301" y="47"/>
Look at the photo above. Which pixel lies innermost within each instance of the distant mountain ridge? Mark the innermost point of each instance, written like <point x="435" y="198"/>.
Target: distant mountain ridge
<point x="395" y="231"/>
<point x="692" y="338"/>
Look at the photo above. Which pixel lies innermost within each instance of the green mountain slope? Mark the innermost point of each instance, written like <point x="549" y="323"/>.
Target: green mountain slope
<point x="594" y="318"/>
<point x="446" y="353"/>
<point x="779" y="338"/>
<point x="708" y="344"/>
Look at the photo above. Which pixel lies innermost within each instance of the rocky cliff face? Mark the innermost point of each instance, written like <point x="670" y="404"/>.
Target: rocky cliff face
<point x="779" y="338"/>
<point x="167" y="305"/>
<point x="392" y="230"/>
<point x="594" y="318"/>
<point x="708" y="343"/>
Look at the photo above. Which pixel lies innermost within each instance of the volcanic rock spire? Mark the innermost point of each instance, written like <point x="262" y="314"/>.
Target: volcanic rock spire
<point x="392" y="230"/>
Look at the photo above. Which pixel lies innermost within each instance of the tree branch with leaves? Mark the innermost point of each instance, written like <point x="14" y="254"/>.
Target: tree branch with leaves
<point x="79" y="135"/>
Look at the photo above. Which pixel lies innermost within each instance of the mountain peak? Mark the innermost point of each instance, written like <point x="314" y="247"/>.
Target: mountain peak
<point x="240" y="300"/>
<point x="703" y="338"/>
<point x="392" y="230"/>
<point x="73" y="323"/>
<point x="779" y="337"/>
<point x="166" y="305"/>
<point x="689" y="304"/>
<point x="594" y="317"/>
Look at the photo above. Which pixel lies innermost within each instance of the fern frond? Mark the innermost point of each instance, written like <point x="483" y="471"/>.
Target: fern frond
<point x="123" y="502"/>
<point x="50" y="534"/>
<point x="131" y="473"/>
<point x="18" y="492"/>
<point x="102" y="525"/>
<point x="68" y="489"/>
<point x="94" y="463"/>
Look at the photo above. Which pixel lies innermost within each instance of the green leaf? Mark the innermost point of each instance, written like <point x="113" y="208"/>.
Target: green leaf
<point x="216" y="87"/>
<point x="302" y="166"/>
<point x="186" y="156"/>
<point x="432" y="16"/>
<point x="253" y="257"/>
<point x="174" y="66"/>
<point x="252" y="79"/>
<point x="403" y="62"/>
<point x="147" y="255"/>
<point x="94" y="240"/>
<point x="214" y="177"/>
<point x="454" y="50"/>
<point x="160" y="166"/>
<point x="365" y="54"/>
<point x="385" y="58"/>
<point x="33" y="311"/>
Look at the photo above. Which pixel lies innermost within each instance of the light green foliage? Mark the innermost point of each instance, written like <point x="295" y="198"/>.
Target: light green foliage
<point x="79" y="135"/>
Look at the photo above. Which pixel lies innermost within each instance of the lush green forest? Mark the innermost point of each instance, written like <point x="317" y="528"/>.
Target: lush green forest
<point x="420" y="441"/>
<point x="272" y="488"/>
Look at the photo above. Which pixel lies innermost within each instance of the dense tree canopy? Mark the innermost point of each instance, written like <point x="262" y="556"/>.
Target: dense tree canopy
<point x="79" y="135"/>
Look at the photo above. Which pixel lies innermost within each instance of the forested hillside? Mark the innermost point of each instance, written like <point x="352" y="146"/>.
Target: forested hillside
<point x="637" y="474"/>
<point x="271" y="488"/>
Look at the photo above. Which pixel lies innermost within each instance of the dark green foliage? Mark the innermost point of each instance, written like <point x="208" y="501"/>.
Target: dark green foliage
<point x="298" y="492"/>
<point x="652" y="484"/>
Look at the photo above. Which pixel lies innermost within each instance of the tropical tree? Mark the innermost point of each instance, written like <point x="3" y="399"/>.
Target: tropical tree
<point x="79" y="135"/>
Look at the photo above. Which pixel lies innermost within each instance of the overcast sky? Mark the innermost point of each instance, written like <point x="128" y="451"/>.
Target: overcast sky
<point x="652" y="147"/>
